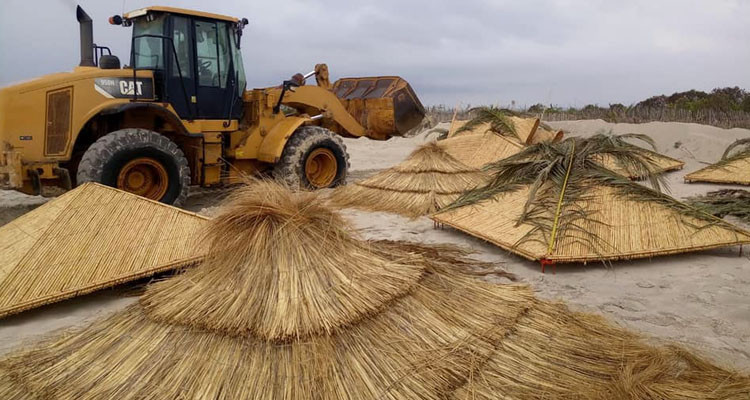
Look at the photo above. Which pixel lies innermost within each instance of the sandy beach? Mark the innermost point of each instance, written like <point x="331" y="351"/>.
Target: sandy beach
<point x="699" y="300"/>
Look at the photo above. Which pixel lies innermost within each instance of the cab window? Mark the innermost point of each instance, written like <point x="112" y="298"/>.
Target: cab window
<point x="224" y="57"/>
<point x="208" y="53"/>
<point x="148" y="52"/>
<point x="238" y="66"/>
<point x="181" y="26"/>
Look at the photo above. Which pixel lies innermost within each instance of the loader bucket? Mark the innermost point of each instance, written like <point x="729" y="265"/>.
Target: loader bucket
<point x="385" y="105"/>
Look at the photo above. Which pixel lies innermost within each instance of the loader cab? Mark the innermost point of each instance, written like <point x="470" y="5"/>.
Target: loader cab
<point x="195" y="58"/>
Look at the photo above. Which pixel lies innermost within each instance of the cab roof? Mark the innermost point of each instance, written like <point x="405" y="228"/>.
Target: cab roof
<point x="174" y="10"/>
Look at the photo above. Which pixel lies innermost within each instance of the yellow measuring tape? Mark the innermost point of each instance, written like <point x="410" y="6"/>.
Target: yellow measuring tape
<point x="560" y="201"/>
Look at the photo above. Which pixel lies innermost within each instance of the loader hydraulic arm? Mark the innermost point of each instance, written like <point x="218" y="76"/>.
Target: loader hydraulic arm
<point x="322" y="100"/>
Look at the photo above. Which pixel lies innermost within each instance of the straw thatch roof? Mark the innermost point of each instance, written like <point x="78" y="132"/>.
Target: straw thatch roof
<point x="429" y="179"/>
<point x="556" y="203"/>
<point x="618" y="228"/>
<point x="660" y="163"/>
<point x="288" y="305"/>
<point x="734" y="166"/>
<point x="480" y="149"/>
<point x="89" y="238"/>
<point x="545" y="133"/>
<point x="554" y="353"/>
<point x="735" y="171"/>
<point x="526" y="130"/>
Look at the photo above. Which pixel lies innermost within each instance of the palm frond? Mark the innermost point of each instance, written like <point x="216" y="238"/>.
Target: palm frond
<point x="734" y="202"/>
<point x="744" y="149"/>
<point x="498" y="119"/>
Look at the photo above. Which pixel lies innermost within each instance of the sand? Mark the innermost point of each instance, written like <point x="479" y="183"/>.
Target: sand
<point x="700" y="300"/>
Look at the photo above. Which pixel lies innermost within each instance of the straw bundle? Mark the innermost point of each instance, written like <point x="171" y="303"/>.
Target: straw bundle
<point x="734" y="166"/>
<point x="428" y="331"/>
<point x="429" y="179"/>
<point x="89" y="238"/>
<point x="554" y="202"/>
<point x="286" y="305"/>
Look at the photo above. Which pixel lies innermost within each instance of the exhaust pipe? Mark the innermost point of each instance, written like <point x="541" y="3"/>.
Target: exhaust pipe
<point x="87" y="38"/>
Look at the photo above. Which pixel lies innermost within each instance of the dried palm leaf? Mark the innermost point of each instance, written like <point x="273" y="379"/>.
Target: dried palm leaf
<point x="734" y="202"/>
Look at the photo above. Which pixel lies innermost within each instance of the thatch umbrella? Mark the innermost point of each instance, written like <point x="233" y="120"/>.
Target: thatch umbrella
<point x="286" y="305"/>
<point x="480" y="149"/>
<point x="733" y="168"/>
<point x="525" y="130"/>
<point x="429" y="179"/>
<point x="554" y="353"/>
<point x="90" y="238"/>
<point x="556" y="203"/>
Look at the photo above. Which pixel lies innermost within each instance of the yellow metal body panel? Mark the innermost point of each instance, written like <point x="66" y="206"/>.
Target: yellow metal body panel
<point x="273" y="144"/>
<point x="23" y="120"/>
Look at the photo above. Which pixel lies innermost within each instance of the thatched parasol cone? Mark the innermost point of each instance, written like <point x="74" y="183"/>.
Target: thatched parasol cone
<point x="555" y="203"/>
<point x="733" y="168"/>
<point x="480" y="149"/>
<point x="524" y="130"/>
<point x="554" y="353"/>
<point x="287" y="305"/>
<point x="429" y="179"/>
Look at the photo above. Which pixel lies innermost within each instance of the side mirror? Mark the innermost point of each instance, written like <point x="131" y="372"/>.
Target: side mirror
<point x="238" y="30"/>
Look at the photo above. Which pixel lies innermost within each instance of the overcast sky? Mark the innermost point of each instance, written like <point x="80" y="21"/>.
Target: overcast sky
<point x="565" y="52"/>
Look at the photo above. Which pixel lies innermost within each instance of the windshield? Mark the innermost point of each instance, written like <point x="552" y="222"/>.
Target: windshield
<point x="148" y="52"/>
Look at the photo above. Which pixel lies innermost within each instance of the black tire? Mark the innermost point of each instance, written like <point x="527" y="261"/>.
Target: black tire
<point x="290" y="169"/>
<point x="104" y="159"/>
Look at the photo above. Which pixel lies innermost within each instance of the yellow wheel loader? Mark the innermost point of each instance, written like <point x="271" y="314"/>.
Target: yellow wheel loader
<point x="179" y="115"/>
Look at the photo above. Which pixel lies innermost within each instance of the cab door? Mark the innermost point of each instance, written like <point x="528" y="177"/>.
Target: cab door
<point x="215" y="76"/>
<point x="180" y="79"/>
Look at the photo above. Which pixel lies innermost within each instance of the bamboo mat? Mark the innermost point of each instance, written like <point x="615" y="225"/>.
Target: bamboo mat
<point x="90" y="238"/>
<point x="624" y="229"/>
<point x="734" y="172"/>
